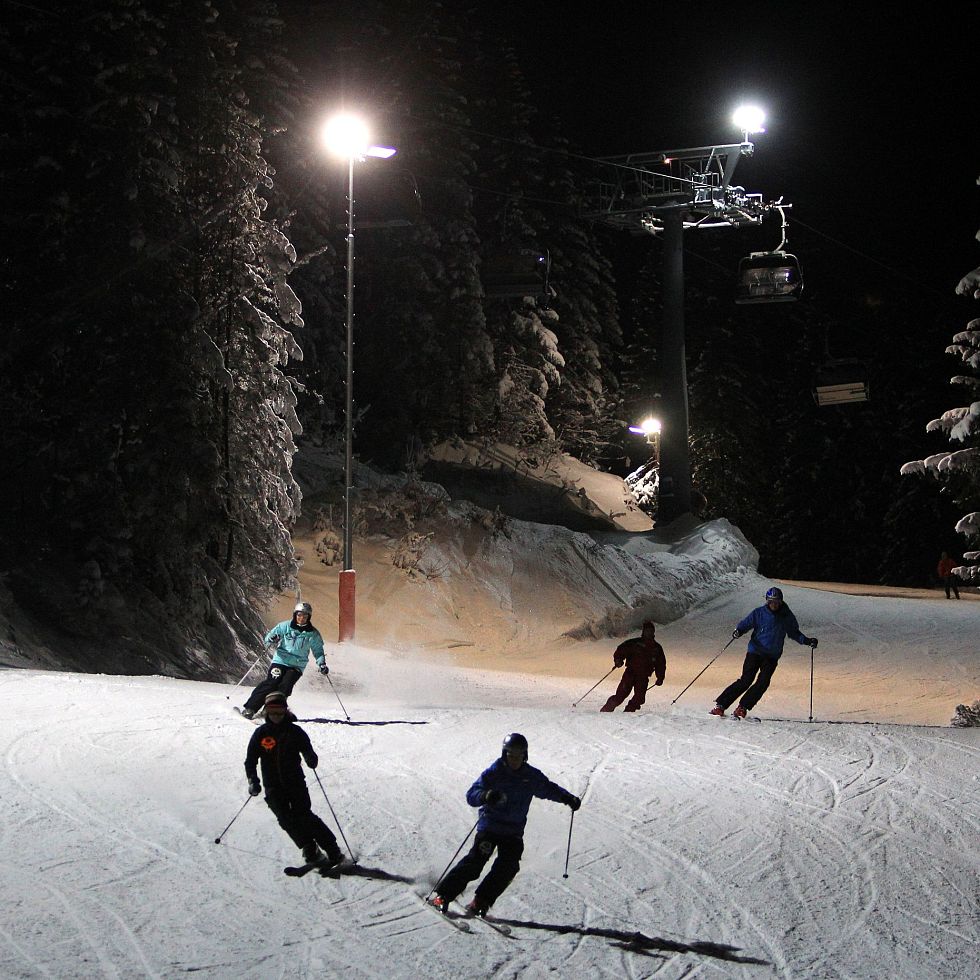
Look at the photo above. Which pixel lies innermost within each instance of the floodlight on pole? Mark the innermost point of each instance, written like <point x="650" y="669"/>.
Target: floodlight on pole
<point x="347" y="136"/>
<point x="749" y="119"/>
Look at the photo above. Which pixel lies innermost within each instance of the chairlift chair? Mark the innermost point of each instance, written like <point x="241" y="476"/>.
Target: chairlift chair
<point x="841" y="380"/>
<point x="769" y="277"/>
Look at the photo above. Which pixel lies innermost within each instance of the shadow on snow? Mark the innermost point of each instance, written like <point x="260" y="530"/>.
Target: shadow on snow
<point x="640" y="943"/>
<point x="342" y="721"/>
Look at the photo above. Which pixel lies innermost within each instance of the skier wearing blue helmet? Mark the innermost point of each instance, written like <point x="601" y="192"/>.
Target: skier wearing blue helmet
<point x="770" y="625"/>
<point x="503" y="792"/>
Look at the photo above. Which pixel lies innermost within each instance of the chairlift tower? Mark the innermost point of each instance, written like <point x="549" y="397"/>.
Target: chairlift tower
<point x="667" y="193"/>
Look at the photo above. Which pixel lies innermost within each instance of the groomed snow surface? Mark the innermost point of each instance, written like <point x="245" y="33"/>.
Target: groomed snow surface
<point x="704" y="847"/>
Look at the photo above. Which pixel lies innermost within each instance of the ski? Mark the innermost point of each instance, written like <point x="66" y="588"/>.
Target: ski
<point x="256" y="719"/>
<point x="746" y="718"/>
<point x="454" y="919"/>
<point x="325" y="867"/>
<point x="492" y="923"/>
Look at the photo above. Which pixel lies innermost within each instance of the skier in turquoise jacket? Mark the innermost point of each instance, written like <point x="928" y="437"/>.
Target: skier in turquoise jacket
<point x="295" y="640"/>
<point x="770" y="625"/>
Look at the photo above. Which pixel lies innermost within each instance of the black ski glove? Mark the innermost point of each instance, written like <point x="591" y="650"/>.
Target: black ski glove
<point x="812" y="642"/>
<point x="494" y="796"/>
<point x="660" y="681"/>
<point x="253" y="787"/>
<point x="312" y="760"/>
<point x="736" y="634"/>
<point x="573" y="802"/>
<point x="324" y="669"/>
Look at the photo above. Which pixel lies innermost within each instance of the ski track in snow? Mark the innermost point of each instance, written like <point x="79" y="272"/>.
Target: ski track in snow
<point x="742" y="851"/>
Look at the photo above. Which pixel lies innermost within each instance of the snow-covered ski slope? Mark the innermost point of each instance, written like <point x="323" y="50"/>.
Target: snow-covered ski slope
<point x="704" y="847"/>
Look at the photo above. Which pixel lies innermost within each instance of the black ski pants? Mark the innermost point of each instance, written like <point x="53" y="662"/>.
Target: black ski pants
<point x="279" y="678"/>
<point x="295" y="814"/>
<point x="952" y="582"/>
<point x="505" y="866"/>
<point x="757" y="672"/>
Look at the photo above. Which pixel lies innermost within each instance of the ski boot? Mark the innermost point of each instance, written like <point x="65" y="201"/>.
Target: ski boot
<point x="477" y="908"/>
<point x="717" y="710"/>
<point x="739" y="712"/>
<point x="248" y="713"/>
<point x="439" y="903"/>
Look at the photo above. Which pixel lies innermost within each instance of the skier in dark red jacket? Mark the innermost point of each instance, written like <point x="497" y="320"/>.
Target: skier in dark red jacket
<point x="643" y="656"/>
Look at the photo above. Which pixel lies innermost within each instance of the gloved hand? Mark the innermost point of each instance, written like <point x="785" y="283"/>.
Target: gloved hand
<point x="813" y="642"/>
<point x="573" y="802"/>
<point x="312" y="760"/>
<point x="494" y="796"/>
<point x="659" y="681"/>
<point x="324" y="669"/>
<point x="736" y="634"/>
<point x="254" y="788"/>
<point x="617" y="663"/>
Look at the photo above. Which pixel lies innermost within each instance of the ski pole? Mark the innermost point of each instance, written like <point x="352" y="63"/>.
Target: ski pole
<point x="249" y="671"/>
<point x="568" y="850"/>
<point x="594" y="686"/>
<point x="453" y="858"/>
<point x="335" y="820"/>
<point x="332" y="688"/>
<point x="811" y="683"/>
<point x="248" y="800"/>
<point x="706" y="666"/>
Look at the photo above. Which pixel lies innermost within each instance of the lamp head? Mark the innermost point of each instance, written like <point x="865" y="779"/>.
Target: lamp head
<point x="749" y="119"/>
<point x="346" y="136"/>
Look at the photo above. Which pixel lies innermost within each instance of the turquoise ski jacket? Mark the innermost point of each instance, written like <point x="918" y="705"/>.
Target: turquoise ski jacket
<point x="295" y="645"/>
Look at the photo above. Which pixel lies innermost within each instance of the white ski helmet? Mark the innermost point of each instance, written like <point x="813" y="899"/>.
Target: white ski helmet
<point x="303" y="607"/>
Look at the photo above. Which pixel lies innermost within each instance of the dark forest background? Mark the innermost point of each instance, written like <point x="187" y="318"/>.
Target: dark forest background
<point x="173" y="306"/>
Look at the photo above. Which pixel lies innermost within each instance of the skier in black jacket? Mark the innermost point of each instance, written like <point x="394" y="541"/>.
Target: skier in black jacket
<point x="278" y="745"/>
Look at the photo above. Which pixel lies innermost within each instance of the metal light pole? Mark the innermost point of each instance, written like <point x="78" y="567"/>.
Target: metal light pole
<point x="348" y="577"/>
<point x="347" y="136"/>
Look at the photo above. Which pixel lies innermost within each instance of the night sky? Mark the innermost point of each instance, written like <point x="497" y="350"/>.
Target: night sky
<point x="872" y="117"/>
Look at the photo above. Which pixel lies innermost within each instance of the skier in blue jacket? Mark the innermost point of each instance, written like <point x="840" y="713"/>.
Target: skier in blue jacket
<point x="503" y="793"/>
<point x="770" y="625"/>
<point x="295" y="640"/>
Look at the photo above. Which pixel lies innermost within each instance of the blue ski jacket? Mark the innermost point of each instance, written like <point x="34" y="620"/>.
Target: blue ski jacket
<point x="295" y="645"/>
<point x="519" y="787"/>
<point x="770" y="629"/>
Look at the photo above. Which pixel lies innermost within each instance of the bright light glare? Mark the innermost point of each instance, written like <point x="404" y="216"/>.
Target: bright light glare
<point x="749" y="119"/>
<point x="648" y="427"/>
<point x="346" y="136"/>
<point x="382" y="152"/>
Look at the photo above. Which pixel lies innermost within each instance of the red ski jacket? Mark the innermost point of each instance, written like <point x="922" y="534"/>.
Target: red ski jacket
<point x="641" y="657"/>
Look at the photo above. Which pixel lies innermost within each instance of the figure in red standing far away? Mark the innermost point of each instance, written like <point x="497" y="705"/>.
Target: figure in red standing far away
<point x="945" y="572"/>
<point x="643" y="656"/>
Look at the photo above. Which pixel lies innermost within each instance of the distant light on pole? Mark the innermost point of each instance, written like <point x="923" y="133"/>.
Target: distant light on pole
<point x="347" y="136"/>
<point x="649" y="427"/>
<point x="749" y="119"/>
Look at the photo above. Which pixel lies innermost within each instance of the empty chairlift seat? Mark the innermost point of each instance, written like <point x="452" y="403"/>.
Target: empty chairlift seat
<point x="769" y="277"/>
<point x="841" y="380"/>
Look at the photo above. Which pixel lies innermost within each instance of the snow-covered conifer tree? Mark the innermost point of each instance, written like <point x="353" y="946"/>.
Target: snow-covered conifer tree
<point x="960" y="467"/>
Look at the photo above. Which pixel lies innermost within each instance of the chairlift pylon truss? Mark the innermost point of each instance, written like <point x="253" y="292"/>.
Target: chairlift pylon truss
<point x="639" y="189"/>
